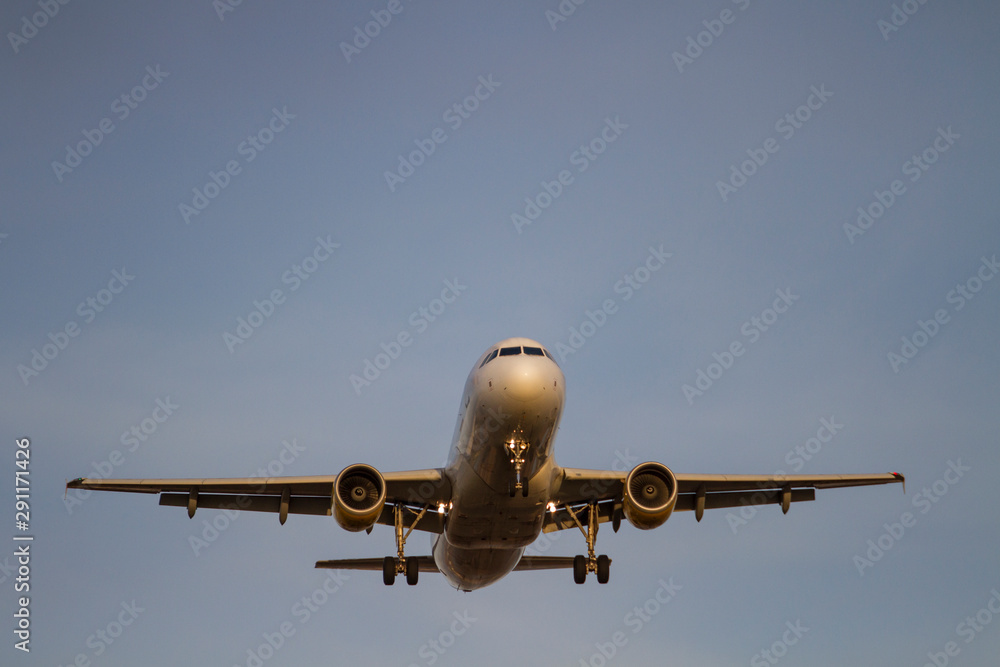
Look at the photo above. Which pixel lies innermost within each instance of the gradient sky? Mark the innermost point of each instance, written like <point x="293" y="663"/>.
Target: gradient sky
<point x="679" y="129"/>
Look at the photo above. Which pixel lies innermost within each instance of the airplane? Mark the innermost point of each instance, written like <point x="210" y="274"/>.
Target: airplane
<point x="499" y="490"/>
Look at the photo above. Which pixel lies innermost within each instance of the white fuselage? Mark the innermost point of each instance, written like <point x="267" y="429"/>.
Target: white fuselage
<point x="510" y="401"/>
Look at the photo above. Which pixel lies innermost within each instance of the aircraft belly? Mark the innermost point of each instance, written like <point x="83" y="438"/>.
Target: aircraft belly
<point x="469" y="569"/>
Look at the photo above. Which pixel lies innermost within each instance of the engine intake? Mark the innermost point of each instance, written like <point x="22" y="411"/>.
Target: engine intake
<point x="359" y="497"/>
<point x="650" y="495"/>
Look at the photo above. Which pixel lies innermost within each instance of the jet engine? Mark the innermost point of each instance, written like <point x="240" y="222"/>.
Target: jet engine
<point x="358" y="498"/>
<point x="650" y="495"/>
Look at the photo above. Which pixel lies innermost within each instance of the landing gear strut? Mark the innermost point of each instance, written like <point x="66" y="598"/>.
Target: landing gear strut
<point x="582" y="565"/>
<point x="401" y="564"/>
<point x="517" y="446"/>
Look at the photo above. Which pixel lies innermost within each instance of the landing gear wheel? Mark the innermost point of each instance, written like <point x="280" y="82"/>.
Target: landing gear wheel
<point x="579" y="569"/>
<point x="603" y="569"/>
<point x="412" y="570"/>
<point x="388" y="570"/>
<point x="524" y="489"/>
<point x="510" y="489"/>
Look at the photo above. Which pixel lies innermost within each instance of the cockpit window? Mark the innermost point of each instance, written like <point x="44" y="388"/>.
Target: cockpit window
<point x="509" y="351"/>
<point x="549" y="355"/>
<point x="492" y="355"/>
<point x="537" y="351"/>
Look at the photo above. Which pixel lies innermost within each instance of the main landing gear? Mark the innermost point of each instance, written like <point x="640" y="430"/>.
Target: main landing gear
<point x="401" y="564"/>
<point x="582" y="565"/>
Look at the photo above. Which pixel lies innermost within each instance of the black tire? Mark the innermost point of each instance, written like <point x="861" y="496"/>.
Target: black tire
<point x="510" y="488"/>
<point x="412" y="570"/>
<point x="603" y="569"/>
<point x="388" y="570"/>
<point x="579" y="569"/>
<point x="524" y="489"/>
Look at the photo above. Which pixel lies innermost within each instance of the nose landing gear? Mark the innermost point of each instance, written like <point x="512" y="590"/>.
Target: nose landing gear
<point x="583" y="565"/>
<point x="517" y="446"/>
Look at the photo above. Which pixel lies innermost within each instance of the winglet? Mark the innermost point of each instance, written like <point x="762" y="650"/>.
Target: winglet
<point x="900" y="478"/>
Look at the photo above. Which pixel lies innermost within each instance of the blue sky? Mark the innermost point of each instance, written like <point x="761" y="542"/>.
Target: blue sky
<point x="740" y="138"/>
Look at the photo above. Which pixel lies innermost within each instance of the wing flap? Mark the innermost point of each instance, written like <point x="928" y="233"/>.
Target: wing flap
<point x="686" y="502"/>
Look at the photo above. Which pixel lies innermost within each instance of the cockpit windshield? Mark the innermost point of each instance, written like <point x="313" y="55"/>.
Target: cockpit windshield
<point x="516" y="350"/>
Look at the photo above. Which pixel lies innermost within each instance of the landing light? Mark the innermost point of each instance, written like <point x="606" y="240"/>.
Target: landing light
<point x="552" y="507"/>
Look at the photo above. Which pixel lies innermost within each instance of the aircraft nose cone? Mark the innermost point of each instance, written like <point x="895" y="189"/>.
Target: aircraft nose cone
<point x="524" y="382"/>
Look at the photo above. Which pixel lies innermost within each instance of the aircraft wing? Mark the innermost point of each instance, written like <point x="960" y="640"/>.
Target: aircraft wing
<point x="696" y="492"/>
<point x="286" y="495"/>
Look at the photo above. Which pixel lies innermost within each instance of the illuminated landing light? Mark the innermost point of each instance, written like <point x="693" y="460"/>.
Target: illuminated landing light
<point x="552" y="508"/>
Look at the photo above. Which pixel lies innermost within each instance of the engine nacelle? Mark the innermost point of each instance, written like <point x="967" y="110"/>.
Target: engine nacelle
<point x="359" y="495"/>
<point x="650" y="495"/>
